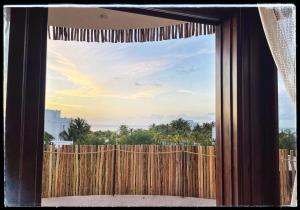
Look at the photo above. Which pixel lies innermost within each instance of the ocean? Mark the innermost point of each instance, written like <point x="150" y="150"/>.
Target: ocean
<point x="292" y="129"/>
<point x="97" y="127"/>
<point x="103" y="127"/>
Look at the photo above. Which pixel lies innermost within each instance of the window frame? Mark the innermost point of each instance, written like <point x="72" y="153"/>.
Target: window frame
<point x="246" y="87"/>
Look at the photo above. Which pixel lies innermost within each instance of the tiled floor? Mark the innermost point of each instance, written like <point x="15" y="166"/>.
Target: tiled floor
<point x="127" y="200"/>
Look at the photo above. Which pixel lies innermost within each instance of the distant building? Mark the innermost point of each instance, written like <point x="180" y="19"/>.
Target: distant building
<point x="213" y="134"/>
<point x="54" y="124"/>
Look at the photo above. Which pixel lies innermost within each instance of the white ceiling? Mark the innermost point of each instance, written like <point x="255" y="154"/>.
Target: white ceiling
<point x="98" y="18"/>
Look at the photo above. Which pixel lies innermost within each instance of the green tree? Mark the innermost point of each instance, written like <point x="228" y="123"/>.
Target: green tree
<point x="202" y="134"/>
<point x="287" y="139"/>
<point x="48" y="138"/>
<point x="92" y="138"/>
<point x="65" y="136"/>
<point x="138" y="136"/>
<point x="197" y="128"/>
<point x="123" y="130"/>
<point x="109" y="136"/>
<point x="77" y="131"/>
<point x="180" y="126"/>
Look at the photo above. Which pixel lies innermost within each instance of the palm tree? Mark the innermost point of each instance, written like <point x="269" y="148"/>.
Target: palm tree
<point x="124" y="131"/>
<point x="48" y="138"/>
<point x="65" y="136"/>
<point x="181" y="126"/>
<point x="77" y="130"/>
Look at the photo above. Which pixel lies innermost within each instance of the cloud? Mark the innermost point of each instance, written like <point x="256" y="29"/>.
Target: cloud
<point x="146" y="68"/>
<point x="86" y="86"/>
<point x="148" y="93"/>
<point x="64" y="105"/>
<point x="187" y="92"/>
<point x="176" y="55"/>
<point x="149" y="85"/>
<point x="66" y="68"/>
<point x="187" y="70"/>
<point x="138" y="84"/>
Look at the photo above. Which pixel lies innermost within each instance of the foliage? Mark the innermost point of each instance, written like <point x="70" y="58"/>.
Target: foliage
<point x="138" y="136"/>
<point x="180" y="127"/>
<point x="93" y="139"/>
<point x="176" y="132"/>
<point x="203" y="134"/>
<point x="77" y="131"/>
<point x="48" y="138"/>
<point x="287" y="139"/>
<point x="124" y="130"/>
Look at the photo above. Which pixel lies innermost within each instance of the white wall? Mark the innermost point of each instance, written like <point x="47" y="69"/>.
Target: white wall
<point x="54" y="124"/>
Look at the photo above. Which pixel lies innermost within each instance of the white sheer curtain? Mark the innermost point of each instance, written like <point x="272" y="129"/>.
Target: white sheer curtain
<point x="279" y="23"/>
<point x="6" y="17"/>
<point x="6" y="24"/>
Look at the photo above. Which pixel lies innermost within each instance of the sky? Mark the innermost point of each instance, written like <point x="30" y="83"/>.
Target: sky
<point x="137" y="83"/>
<point x="133" y="83"/>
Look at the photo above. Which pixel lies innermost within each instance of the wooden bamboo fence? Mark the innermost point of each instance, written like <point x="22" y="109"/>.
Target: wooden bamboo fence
<point x="287" y="172"/>
<point x="188" y="171"/>
<point x="73" y="170"/>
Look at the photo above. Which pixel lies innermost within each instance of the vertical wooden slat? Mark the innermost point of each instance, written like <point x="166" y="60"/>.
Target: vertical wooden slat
<point x="287" y="183"/>
<point x="182" y="172"/>
<point x="211" y="175"/>
<point x="89" y="174"/>
<point x="101" y="171"/>
<point x="44" y="178"/>
<point x="85" y="157"/>
<point x="106" y="170"/>
<point x="139" y="169"/>
<point x="56" y="172"/>
<point x="132" y="169"/>
<point x="145" y="175"/>
<point x="80" y="170"/>
<point x="207" y="174"/>
<point x="72" y="173"/>
<point x="93" y="178"/>
<point x="120" y="169"/>
<point x="213" y="171"/>
<point x="280" y="176"/>
<point x="65" y="174"/>
<point x="76" y="170"/>
<point x="111" y="153"/>
<point x="50" y="171"/>
<point x="177" y="167"/>
<point x="69" y="172"/>
<point x="293" y="167"/>
<point x="59" y="171"/>
<point x="202" y="172"/>
<point x="97" y="165"/>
